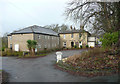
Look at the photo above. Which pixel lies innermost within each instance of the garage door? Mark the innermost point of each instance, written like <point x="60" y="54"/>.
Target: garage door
<point x="92" y="44"/>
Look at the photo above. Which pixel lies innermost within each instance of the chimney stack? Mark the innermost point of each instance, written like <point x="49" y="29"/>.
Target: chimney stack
<point x="71" y="27"/>
<point x="82" y="27"/>
<point x="74" y="28"/>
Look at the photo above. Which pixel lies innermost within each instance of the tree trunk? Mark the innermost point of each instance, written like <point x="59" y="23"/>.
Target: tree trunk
<point x="30" y="50"/>
<point x="33" y="51"/>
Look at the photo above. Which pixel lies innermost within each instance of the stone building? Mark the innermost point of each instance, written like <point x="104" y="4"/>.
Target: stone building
<point x="46" y="38"/>
<point x="73" y="38"/>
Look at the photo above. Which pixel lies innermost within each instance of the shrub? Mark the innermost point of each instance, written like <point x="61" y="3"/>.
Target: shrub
<point x="109" y="39"/>
<point x="75" y="46"/>
<point x="3" y="49"/>
<point x="13" y="53"/>
<point x="45" y="48"/>
<point x="80" y="46"/>
<point x="87" y="46"/>
<point x="4" y="54"/>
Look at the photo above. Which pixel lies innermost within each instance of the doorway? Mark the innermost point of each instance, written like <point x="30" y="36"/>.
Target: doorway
<point x="72" y="44"/>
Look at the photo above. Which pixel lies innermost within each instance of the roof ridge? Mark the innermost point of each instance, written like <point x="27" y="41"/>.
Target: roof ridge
<point x="36" y="29"/>
<point x="20" y="29"/>
<point x="32" y="29"/>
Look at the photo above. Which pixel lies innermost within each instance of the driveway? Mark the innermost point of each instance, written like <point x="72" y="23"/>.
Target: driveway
<point x="40" y="69"/>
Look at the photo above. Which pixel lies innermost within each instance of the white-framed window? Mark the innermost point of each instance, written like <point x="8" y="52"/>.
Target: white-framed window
<point x="39" y="37"/>
<point x="64" y="36"/>
<point x="10" y="37"/>
<point x="45" y="37"/>
<point x="39" y="46"/>
<point x="64" y="44"/>
<point x="71" y="35"/>
<point x="48" y="37"/>
<point x="45" y="46"/>
<point x="10" y="46"/>
<point x="52" y="37"/>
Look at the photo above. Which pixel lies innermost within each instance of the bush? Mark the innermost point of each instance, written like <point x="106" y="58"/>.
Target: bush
<point x="94" y="59"/>
<point x="80" y="46"/>
<point x="109" y="39"/>
<point x="3" y="49"/>
<point x="13" y="53"/>
<point x="87" y="46"/>
<point x="75" y="46"/>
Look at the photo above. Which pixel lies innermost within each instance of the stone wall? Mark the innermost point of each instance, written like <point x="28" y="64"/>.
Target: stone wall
<point x="46" y="41"/>
<point x="76" y="39"/>
<point x="20" y="39"/>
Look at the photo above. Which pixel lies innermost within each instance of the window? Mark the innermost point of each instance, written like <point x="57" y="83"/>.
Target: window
<point x="52" y="37"/>
<point x="39" y="46"/>
<point x="39" y="37"/>
<point x="48" y="37"/>
<point x="64" y="36"/>
<point x="11" y="46"/>
<point x="45" y="37"/>
<point x="71" y="35"/>
<point x="80" y="35"/>
<point x="10" y="37"/>
<point x="45" y="46"/>
<point x="64" y="44"/>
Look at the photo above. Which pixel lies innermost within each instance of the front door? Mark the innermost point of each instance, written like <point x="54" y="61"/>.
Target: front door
<point x="16" y="47"/>
<point x="72" y="44"/>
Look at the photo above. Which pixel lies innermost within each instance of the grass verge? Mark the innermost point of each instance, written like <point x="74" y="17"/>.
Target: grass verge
<point x="95" y="62"/>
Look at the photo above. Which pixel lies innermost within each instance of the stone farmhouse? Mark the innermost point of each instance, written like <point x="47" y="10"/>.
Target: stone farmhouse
<point x="71" y="38"/>
<point x="48" y="39"/>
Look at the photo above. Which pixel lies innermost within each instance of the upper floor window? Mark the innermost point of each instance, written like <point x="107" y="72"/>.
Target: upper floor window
<point x="45" y="46"/>
<point x="80" y="35"/>
<point x="39" y="46"/>
<point x="45" y="37"/>
<point x="11" y="46"/>
<point x="39" y="37"/>
<point x="52" y="37"/>
<point x="71" y="35"/>
<point x="48" y="37"/>
<point x="10" y="37"/>
<point x="64" y="44"/>
<point x="64" y="36"/>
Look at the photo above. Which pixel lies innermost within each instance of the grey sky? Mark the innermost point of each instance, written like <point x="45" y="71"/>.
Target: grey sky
<point x="17" y="14"/>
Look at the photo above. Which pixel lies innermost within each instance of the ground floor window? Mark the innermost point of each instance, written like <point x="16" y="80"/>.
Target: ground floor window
<point x="11" y="46"/>
<point x="64" y="44"/>
<point x="72" y="44"/>
<point x="39" y="46"/>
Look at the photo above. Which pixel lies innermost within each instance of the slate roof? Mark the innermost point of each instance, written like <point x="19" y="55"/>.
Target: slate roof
<point x="73" y="31"/>
<point x="35" y="29"/>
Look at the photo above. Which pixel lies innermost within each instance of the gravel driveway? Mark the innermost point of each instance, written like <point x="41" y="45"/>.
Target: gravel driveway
<point x="39" y="69"/>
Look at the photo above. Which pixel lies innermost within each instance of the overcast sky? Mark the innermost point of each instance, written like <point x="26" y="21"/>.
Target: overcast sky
<point x="17" y="14"/>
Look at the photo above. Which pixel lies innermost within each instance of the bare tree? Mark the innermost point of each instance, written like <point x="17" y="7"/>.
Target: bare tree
<point x="103" y="17"/>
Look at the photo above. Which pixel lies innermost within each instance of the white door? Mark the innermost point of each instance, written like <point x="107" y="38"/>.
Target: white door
<point x="80" y="44"/>
<point x="35" y="49"/>
<point x="16" y="47"/>
<point x="91" y="44"/>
